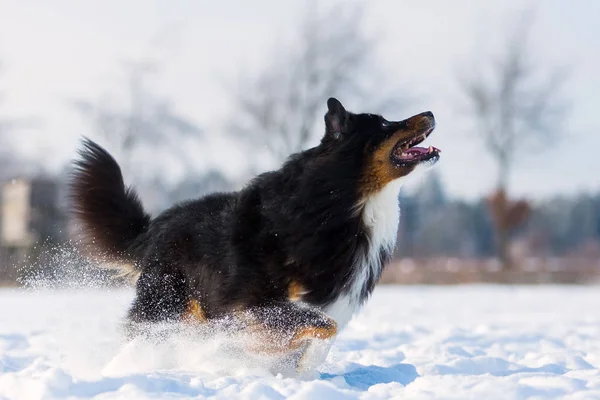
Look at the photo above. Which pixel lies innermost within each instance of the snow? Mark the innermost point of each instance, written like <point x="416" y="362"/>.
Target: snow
<point x="461" y="342"/>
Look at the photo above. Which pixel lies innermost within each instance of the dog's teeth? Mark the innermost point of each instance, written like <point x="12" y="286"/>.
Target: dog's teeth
<point x="430" y="150"/>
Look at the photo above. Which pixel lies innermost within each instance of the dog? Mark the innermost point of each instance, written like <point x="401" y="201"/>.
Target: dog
<point x="294" y="254"/>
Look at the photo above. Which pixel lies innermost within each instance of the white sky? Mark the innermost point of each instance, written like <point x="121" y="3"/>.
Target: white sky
<point x="54" y="51"/>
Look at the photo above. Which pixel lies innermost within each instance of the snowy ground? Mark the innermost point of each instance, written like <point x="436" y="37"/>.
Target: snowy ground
<point x="469" y="342"/>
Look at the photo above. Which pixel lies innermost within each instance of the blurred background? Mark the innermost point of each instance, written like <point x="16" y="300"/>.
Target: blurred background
<point x="198" y="96"/>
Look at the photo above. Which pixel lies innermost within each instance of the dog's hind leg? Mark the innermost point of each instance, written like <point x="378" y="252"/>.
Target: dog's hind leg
<point x="286" y="328"/>
<point x="160" y="296"/>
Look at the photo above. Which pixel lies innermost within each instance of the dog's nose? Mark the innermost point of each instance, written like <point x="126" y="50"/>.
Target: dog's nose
<point x="428" y="115"/>
<point x="423" y="121"/>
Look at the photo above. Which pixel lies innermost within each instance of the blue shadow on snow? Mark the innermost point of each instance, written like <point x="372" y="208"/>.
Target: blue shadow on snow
<point x="364" y="377"/>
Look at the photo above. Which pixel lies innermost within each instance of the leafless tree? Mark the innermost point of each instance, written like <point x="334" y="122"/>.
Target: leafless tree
<point x="141" y="126"/>
<point x="280" y="108"/>
<point x="146" y="120"/>
<point x="11" y="164"/>
<point x="518" y="106"/>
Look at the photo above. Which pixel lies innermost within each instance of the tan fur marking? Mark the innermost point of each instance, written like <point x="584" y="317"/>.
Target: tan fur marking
<point x="313" y="332"/>
<point x="295" y="291"/>
<point x="379" y="169"/>
<point x="194" y="312"/>
<point x="268" y="342"/>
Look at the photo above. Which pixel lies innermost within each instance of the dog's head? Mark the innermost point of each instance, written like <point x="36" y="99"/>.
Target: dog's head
<point x="384" y="150"/>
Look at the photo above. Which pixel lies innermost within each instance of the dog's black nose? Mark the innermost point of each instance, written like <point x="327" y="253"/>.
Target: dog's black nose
<point x="430" y="118"/>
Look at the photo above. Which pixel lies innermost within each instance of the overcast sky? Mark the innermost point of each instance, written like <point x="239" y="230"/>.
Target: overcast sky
<point x="54" y="51"/>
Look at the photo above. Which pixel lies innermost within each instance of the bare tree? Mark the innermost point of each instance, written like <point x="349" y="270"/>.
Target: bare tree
<point x="281" y="107"/>
<point x="517" y="107"/>
<point x="146" y="119"/>
<point x="11" y="163"/>
<point x="138" y="122"/>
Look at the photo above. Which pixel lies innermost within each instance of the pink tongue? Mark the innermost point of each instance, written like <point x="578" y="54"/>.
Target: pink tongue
<point x="417" y="150"/>
<point x="413" y="152"/>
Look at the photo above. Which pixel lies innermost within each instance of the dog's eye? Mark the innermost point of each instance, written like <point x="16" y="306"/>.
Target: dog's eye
<point x="384" y="123"/>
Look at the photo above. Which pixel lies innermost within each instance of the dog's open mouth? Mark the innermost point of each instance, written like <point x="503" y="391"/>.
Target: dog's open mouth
<point x="406" y="152"/>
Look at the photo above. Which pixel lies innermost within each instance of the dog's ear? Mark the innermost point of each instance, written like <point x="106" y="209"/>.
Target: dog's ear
<point x="336" y="119"/>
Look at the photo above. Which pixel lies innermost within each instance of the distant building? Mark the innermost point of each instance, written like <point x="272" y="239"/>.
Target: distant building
<point x="16" y="214"/>
<point x="29" y="214"/>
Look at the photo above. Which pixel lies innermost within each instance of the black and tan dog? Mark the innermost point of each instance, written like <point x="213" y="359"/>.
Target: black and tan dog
<point x="296" y="252"/>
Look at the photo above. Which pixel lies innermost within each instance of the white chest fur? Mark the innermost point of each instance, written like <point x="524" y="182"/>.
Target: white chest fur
<point x="380" y="215"/>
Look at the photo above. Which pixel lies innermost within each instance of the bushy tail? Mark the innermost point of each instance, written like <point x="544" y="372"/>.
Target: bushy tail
<point x="109" y="215"/>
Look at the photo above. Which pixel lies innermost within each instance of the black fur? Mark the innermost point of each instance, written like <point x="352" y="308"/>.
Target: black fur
<point x="112" y="214"/>
<point x="234" y="251"/>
